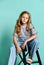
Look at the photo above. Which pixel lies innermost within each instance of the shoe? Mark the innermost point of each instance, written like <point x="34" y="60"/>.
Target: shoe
<point x="29" y="60"/>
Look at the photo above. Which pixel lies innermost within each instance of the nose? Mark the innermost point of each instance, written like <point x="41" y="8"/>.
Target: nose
<point x="24" y="18"/>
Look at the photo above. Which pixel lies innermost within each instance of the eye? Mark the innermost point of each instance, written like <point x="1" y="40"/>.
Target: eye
<point x="26" y="18"/>
<point x="23" y="17"/>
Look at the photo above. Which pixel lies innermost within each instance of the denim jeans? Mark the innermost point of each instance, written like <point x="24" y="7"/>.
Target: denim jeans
<point x="33" y="44"/>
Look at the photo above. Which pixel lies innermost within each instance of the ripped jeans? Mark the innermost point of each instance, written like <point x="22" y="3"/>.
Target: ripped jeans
<point x="33" y="44"/>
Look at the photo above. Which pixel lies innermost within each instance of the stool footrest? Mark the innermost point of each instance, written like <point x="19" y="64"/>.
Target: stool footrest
<point x="35" y="62"/>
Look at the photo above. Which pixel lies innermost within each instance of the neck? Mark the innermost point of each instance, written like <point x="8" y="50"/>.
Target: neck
<point x="24" y="24"/>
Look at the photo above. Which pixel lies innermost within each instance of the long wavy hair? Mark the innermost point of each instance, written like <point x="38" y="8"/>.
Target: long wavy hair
<point x="18" y="25"/>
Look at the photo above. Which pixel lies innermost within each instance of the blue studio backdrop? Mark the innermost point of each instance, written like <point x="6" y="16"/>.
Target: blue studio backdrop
<point x="9" y="12"/>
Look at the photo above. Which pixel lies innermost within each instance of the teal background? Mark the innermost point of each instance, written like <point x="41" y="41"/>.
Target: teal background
<point x="9" y="12"/>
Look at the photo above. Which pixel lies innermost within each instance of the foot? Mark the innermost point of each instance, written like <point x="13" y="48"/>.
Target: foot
<point x="29" y="60"/>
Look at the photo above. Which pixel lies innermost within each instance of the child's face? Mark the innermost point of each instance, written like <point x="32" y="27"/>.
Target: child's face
<point x="25" y="18"/>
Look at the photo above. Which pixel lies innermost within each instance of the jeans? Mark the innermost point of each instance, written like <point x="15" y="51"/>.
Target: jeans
<point x="33" y="44"/>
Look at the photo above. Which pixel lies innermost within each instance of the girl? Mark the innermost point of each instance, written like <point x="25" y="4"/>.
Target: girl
<point x="24" y="34"/>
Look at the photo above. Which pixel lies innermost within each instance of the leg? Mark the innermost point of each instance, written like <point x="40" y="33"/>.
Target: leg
<point x="12" y="57"/>
<point x="33" y="45"/>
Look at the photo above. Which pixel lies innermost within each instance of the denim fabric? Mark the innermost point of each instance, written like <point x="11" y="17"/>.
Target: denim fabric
<point x="33" y="44"/>
<point x="12" y="56"/>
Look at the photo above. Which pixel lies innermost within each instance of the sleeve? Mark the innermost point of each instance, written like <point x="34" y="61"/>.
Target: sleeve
<point x="32" y="29"/>
<point x="15" y="35"/>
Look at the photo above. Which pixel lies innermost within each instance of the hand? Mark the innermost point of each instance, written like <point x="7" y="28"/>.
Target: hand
<point x="23" y="45"/>
<point x="19" y="50"/>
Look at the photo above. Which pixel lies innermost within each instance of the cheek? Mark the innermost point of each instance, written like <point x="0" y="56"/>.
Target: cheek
<point x="26" y="19"/>
<point x="22" y="19"/>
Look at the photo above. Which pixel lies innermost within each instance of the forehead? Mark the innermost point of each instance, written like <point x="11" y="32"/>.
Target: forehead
<point x="25" y="15"/>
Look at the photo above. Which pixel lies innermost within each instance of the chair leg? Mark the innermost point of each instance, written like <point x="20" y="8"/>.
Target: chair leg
<point x="21" y="59"/>
<point x="38" y="56"/>
<point x="29" y="52"/>
<point x="24" y="58"/>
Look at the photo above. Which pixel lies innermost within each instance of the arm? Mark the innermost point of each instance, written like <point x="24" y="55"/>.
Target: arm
<point x="32" y="37"/>
<point x="29" y="39"/>
<point x="16" y="44"/>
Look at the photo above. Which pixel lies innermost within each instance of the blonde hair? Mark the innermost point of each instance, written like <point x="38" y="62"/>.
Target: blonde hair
<point x="17" y="28"/>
